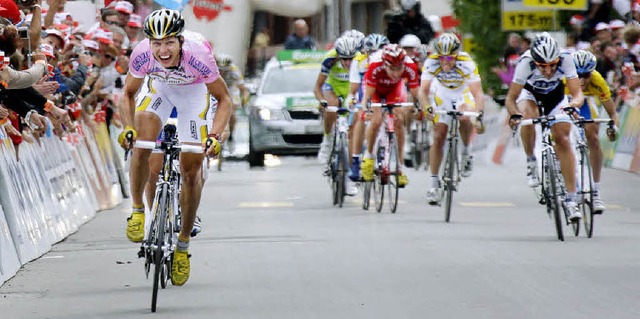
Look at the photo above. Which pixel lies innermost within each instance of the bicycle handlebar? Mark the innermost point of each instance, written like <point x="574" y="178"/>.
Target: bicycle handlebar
<point x="544" y="119"/>
<point x="337" y="109"/>
<point x="185" y="148"/>
<point x="391" y="104"/>
<point x="458" y="113"/>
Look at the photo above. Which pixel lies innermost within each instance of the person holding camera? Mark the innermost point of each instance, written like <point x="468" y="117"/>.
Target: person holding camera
<point x="408" y="21"/>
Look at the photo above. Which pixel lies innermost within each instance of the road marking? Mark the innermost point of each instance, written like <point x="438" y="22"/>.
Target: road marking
<point x="264" y="204"/>
<point x="487" y="204"/>
<point x="53" y="257"/>
<point x="615" y="207"/>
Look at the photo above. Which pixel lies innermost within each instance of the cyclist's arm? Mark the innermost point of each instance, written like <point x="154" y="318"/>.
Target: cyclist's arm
<point x="577" y="98"/>
<point x="219" y="90"/>
<point x="610" y="107"/>
<point x="317" y="90"/>
<point x="478" y="95"/>
<point x="415" y="93"/>
<point x="512" y="95"/>
<point x="423" y="93"/>
<point x="127" y="104"/>
<point x="368" y="93"/>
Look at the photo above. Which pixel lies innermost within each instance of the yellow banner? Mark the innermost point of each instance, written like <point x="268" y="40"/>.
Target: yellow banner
<point x="557" y="4"/>
<point x="527" y="20"/>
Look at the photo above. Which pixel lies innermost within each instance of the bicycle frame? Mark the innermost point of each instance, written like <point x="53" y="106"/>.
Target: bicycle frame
<point x="451" y="172"/>
<point x="339" y="159"/>
<point x="553" y="190"/>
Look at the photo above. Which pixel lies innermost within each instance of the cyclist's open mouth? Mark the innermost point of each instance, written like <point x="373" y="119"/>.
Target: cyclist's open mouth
<point x="165" y="58"/>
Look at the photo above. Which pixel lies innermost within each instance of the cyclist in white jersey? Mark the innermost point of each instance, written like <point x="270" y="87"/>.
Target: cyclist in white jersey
<point x="450" y="79"/>
<point x="182" y="73"/>
<point x="538" y="78"/>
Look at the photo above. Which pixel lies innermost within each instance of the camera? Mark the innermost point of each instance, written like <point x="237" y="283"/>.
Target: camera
<point x="26" y="3"/>
<point x="23" y="32"/>
<point x="68" y="97"/>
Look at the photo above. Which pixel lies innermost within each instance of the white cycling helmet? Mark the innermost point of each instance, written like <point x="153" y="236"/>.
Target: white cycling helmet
<point x="346" y="47"/>
<point x="410" y="5"/>
<point x="357" y="35"/>
<point x="585" y="61"/>
<point x="163" y="23"/>
<point x="410" y="41"/>
<point x="375" y="41"/>
<point x="447" y="44"/>
<point x="544" y="48"/>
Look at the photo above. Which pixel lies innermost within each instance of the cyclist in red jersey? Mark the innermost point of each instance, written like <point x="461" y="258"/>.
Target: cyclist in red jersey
<point x="384" y="81"/>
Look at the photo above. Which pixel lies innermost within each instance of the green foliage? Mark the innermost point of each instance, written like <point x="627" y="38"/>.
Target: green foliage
<point x="481" y="19"/>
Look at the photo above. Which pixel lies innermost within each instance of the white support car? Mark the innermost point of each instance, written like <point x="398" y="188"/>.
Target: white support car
<point x="284" y="117"/>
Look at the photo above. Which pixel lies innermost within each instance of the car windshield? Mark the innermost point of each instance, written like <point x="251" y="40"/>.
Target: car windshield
<point x="290" y="80"/>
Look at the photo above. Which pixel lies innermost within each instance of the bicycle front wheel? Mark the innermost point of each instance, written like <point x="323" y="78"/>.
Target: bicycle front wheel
<point x="366" y="196"/>
<point x="159" y="240"/>
<point x="343" y="156"/>
<point x="586" y="191"/>
<point x="394" y="173"/>
<point x="552" y="193"/>
<point x="448" y="177"/>
<point x="378" y="185"/>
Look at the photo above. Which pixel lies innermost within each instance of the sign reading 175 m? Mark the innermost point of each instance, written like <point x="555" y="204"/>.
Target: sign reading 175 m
<point x="557" y="4"/>
<point x="527" y="20"/>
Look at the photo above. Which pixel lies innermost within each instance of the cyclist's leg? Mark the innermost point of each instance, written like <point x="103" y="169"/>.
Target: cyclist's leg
<point x="527" y="104"/>
<point x="155" y="165"/>
<point x="151" y="111"/>
<point x="371" y="133"/>
<point x="235" y="97"/>
<point x="466" y="131"/>
<point x="591" y="133"/>
<point x="357" y="136"/>
<point x="561" y="131"/>
<point x="329" y="120"/>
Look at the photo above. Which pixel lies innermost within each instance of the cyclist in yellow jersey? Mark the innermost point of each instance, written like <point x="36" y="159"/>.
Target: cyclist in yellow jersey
<point x="454" y="79"/>
<point x="333" y="83"/>
<point x="594" y="85"/>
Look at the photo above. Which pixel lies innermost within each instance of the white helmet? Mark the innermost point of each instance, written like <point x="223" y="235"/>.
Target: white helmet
<point x="357" y="35"/>
<point x="544" y="48"/>
<point x="346" y="47"/>
<point x="410" y="41"/>
<point x="447" y="44"/>
<point x="163" y="23"/>
<point x="410" y="5"/>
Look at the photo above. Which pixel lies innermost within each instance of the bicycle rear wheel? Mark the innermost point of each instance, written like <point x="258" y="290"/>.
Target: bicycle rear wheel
<point x="552" y="193"/>
<point x="448" y="177"/>
<point x="394" y="173"/>
<point x="586" y="192"/>
<point x="158" y="253"/>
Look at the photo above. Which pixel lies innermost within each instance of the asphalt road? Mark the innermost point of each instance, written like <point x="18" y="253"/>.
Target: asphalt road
<point x="273" y="246"/>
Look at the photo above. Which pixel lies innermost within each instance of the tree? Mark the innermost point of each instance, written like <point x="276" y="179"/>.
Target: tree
<point x="481" y="19"/>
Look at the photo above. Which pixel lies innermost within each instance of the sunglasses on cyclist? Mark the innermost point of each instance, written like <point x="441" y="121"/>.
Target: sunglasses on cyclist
<point x="346" y="59"/>
<point x="447" y="58"/>
<point x="584" y="75"/>
<point x="550" y="64"/>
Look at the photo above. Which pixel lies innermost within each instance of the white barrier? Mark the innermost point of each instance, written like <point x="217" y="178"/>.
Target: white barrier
<point x="55" y="187"/>
<point x="9" y="262"/>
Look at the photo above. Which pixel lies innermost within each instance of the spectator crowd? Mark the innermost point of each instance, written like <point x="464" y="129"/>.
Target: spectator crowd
<point x="56" y="71"/>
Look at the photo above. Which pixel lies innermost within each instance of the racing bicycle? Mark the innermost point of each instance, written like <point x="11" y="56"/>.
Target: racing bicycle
<point x="387" y="166"/>
<point x="338" y="166"/>
<point x="585" y="173"/>
<point x="161" y="239"/>
<point x="552" y="190"/>
<point x="451" y="173"/>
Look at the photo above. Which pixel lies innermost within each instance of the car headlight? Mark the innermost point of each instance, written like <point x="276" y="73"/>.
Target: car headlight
<point x="267" y="114"/>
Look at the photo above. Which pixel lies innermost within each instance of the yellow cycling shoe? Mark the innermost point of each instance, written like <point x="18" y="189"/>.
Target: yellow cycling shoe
<point x="135" y="226"/>
<point x="367" y="169"/>
<point x="181" y="267"/>
<point x="403" y="180"/>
